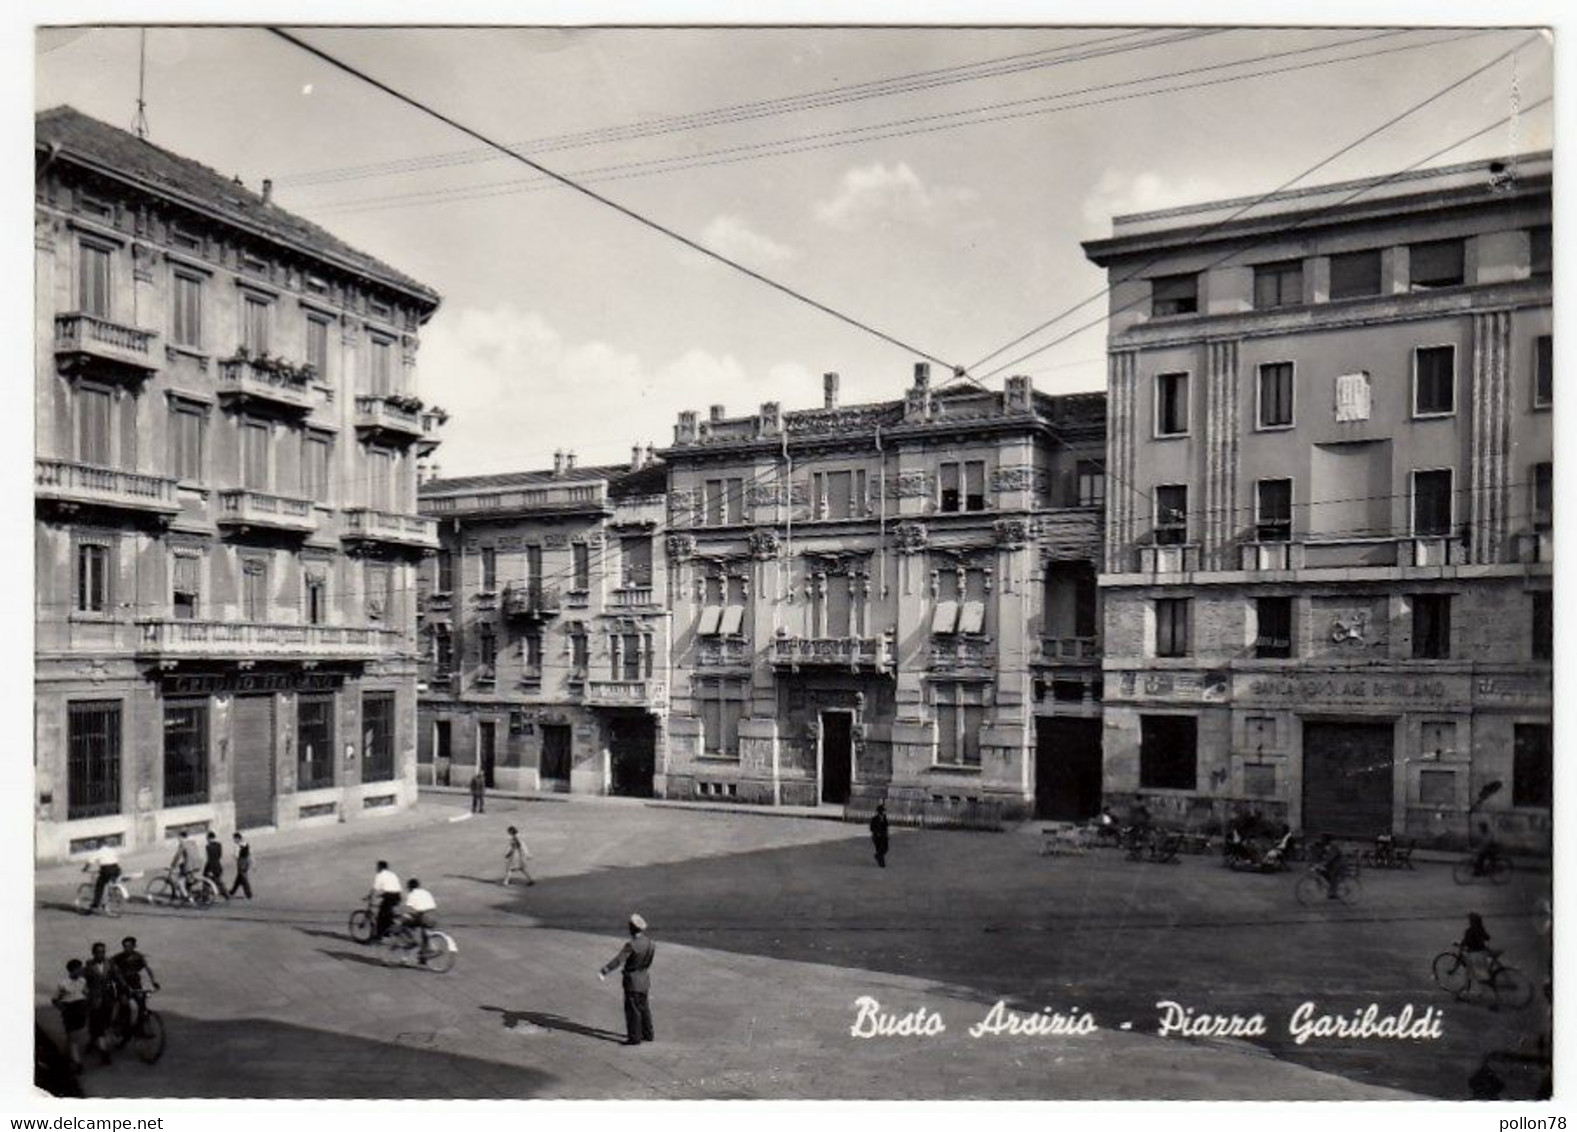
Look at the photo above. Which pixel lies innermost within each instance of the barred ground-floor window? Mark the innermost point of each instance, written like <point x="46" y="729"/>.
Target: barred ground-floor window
<point x="314" y="742"/>
<point x="185" y="752"/>
<point x="377" y="737"/>
<point x="93" y="758"/>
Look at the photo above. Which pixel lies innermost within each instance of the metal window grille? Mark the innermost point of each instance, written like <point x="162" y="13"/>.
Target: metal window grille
<point x="377" y="737"/>
<point x="185" y="753"/>
<point x="93" y="759"/>
<point x="314" y="742"/>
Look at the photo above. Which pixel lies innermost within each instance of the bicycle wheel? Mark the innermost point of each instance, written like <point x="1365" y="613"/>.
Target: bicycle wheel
<point x="203" y="892"/>
<point x="1499" y="870"/>
<point x="84" y="900"/>
<point x="160" y="891"/>
<point x="114" y="900"/>
<point x="362" y="926"/>
<point x="438" y="954"/>
<point x="1451" y="973"/>
<point x="1349" y="890"/>
<point x="1310" y="889"/>
<point x="1462" y="871"/>
<point x="149" y="1040"/>
<point x="1510" y="987"/>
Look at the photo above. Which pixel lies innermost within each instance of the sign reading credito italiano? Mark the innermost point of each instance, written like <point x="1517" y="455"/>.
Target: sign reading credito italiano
<point x="204" y="683"/>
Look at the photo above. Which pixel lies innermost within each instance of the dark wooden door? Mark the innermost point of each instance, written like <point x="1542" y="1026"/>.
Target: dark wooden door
<point x="252" y="757"/>
<point x="556" y="745"/>
<point x="486" y="749"/>
<point x="1348" y="778"/>
<point x="632" y="747"/>
<point x="837" y="753"/>
<point x="1067" y="769"/>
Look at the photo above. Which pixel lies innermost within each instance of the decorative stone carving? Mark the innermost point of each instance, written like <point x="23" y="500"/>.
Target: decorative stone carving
<point x="1351" y="629"/>
<point x="683" y="502"/>
<point x="1020" y="477"/>
<point x="910" y="538"/>
<point x="681" y="546"/>
<point x="909" y="485"/>
<point x="142" y="262"/>
<point x="765" y="495"/>
<point x="763" y="544"/>
<point x="1012" y="533"/>
<point x="555" y="540"/>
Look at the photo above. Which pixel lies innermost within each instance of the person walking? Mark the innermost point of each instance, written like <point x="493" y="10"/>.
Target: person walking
<point x="243" y="867"/>
<point x="386" y="890"/>
<point x="636" y="956"/>
<point x="181" y="864"/>
<point x="478" y="793"/>
<point x="71" y="999"/>
<point x="214" y="865"/>
<point x="516" y="857"/>
<point x="879" y="834"/>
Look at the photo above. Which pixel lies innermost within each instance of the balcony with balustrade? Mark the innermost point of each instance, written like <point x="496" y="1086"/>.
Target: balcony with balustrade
<point x="531" y="600"/>
<point x="369" y="526"/>
<point x="265" y="383"/>
<point x="572" y="498"/>
<point x="962" y="654"/>
<point x="1316" y="552"/>
<point x="1076" y="651"/>
<point x="854" y="653"/>
<point x="111" y="350"/>
<point x="176" y="639"/>
<point x="634" y="598"/>
<point x="644" y="694"/>
<point x="241" y="509"/>
<point x="723" y="652"/>
<point x="391" y="420"/>
<point x="69" y="483"/>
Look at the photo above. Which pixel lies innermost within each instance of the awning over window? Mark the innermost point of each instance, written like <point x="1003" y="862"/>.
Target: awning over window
<point x="733" y="620"/>
<point x="972" y="618"/>
<point x="945" y="618"/>
<point x="711" y="615"/>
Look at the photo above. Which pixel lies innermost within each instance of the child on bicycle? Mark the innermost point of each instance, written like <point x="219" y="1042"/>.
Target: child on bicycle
<point x="1475" y="947"/>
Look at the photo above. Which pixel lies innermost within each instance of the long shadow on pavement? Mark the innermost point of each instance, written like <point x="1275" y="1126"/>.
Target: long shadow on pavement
<point x="513" y="1018"/>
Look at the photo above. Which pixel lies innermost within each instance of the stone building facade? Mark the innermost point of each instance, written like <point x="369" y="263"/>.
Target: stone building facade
<point x="544" y="630"/>
<point x="1327" y="580"/>
<point x="892" y="601"/>
<point x="225" y="487"/>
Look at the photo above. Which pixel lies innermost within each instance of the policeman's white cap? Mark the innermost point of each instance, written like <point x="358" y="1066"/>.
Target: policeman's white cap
<point x="637" y="922"/>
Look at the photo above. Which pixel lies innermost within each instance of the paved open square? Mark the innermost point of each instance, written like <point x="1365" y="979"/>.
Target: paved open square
<point x="769" y="929"/>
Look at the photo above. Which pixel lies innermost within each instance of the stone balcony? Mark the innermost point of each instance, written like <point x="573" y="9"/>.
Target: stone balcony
<point x="111" y="349"/>
<point x="645" y="694"/>
<point x="531" y="600"/>
<point x="64" y="481"/>
<point x="242" y="509"/>
<point x="408" y="532"/>
<point x="723" y="652"/>
<point x="639" y="597"/>
<point x="1179" y="558"/>
<point x="853" y="653"/>
<point x="1070" y="650"/>
<point x="1319" y="553"/>
<point x="169" y="638"/>
<point x="250" y="382"/>
<point x="379" y="417"/>
<point x="952" y="654"/>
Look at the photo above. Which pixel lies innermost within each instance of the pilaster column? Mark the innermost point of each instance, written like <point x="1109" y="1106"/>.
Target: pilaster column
<point x="1218" y="526"/>
<point x="1489" y="469"/>
<point x="1121" y="423"/>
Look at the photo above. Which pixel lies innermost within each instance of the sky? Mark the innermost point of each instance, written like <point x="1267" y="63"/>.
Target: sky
<point x="933" y="184"/>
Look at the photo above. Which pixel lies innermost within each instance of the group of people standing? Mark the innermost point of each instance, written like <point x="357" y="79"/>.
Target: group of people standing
<point x="97" y="994"/>
<point x="183" y="864"/>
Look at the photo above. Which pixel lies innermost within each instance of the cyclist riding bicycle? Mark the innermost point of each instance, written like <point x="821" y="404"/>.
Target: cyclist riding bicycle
<point x="418" y="915"/>
<point x="129" y="966"/>
<point x="1329" y="863"/>
<point x="183" y="866"/>
<point x="386" y="891"/>
<point x="1487" y="850"/>
<point x="107" y="861"/>
<point x="1475" y="947"/>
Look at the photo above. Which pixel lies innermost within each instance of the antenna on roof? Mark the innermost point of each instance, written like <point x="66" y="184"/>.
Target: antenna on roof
<point x="139" y="124"/>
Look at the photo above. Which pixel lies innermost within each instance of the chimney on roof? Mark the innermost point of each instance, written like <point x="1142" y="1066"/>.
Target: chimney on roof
<point x="558" y="462"/>
<point x="922" y="375"/>
<point x="651" y="453"/>
<point x="569" y="461"/>
<point x="829" y="390"/>
<point x="635" y="458"/>
<point x="717" y="413"/>
<point x="268" y="190"/>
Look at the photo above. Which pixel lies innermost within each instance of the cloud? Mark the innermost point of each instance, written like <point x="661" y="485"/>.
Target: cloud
<point x="731" y="236"/>
<point x="892" y="195"/>
<point x="1118" y="193"/>
<point x="516" y="390"/>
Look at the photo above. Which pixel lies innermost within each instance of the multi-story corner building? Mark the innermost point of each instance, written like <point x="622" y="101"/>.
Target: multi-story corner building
<point x="545" y="630"/>
<point x="1327" y="585"/>
<point x="226" y="504"/>
<point x="890" y="601"/>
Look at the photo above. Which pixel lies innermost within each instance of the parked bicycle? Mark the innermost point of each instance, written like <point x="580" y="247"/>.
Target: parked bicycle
<point x="1507" y="986"/>
<point x="116" y="896"/>
<point x="146" y="1034"/>
<point x="1493" y="866"/>
<point x="198" y="891"/>
<point x="1313" y="886"/>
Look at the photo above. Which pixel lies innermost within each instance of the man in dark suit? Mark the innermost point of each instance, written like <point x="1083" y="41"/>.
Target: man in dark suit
<point x="879" y="835"/>
<point x="636" y="956"/>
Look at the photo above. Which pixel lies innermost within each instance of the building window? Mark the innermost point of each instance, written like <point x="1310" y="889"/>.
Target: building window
<point x="93" y="279"/>
<point x="1171" y="404"/>
<point x="635" y="553"/>
<point x="255" y="442"/>
<point x="1532" y="767"/>
<point x="1259" y="780"/>
<point x="962" y="486"/>
<point x="1432" y="503"/>
<point x="1434" y="380"/>
<point x="1275" y="395"/>
<point x="378" y="592"/>
<point x="318" y="346"/>
<point x="1273" y="510"/>
<point x="625" y="654"/>
<point x="254" y="590"/>
<point x="1437" y="263"/>
<point x="185" y="585"/>
<point x="960" y="600"/>
<point x="948" y="498"/>
<point x="314" y="742"/>
<point x="1171" y="626"/>
<point x="1355" y="275"/>
<point x="186" y="312"/>
<point x="377" y="737"/>
<point x="380" y="466"/>
<point x="1540" y="264"/>
<point x="489" y="568"/>
<point x="1278" y="285"/>
<point x="1437" y="787"/>
<point x="958" y="733"/>
<point x="316" y="452"/>
<point x="531" y="647"/>
<point x="579" y="653"/>
<point x="719" y="720"/>
<point x="187" y="422"/>
<point x="1543" y="629"/>
<point x="1543" y="495"/>
<point x="256" y="322"/>
<point x="1174" y="294"/>
<point x="580" y="560"/>
<point x="1090" y="477"/>
<point x="94" y="413"/>
<point x="382" y="366"/>
<point x="93" y="577"/>
<point x="185" y="752"/>
<point x="1544" y="370"/>
<point x="92" y="759"/>
<point x="1273" y="617"/>
<point x="1431" y="626"/>
<point x="487" y="650"/>
<point x="1168" y="752"/>
<point x="1171" y="514"/>
<point x="722" y="502"/>
<point x="445" y="571"/>
<point x="723" y="606"/>
<point x="316" y="596"/>
<point x="443" y="651"/>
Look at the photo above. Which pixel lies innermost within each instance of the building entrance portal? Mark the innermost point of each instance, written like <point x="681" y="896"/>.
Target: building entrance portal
<point x="1067" y="769"/>
<point x="553" y="773"/>
<point x="837" y="756"/>
<point x="632" y="751"/>
<point x="252" y="756"/>
<point x="1348" y="778"/>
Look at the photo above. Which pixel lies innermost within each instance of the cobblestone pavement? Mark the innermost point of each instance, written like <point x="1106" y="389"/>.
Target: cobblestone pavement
<point x="768" y="932"/>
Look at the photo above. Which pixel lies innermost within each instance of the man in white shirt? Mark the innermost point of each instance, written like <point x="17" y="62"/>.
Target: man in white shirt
<point x="181" y="865"/>
<point x="386" y="891"/>
<point x="419" y="909"/>
<point x="107" y="862"/>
